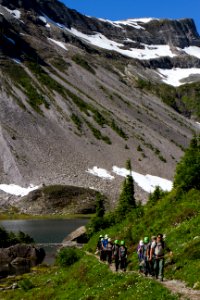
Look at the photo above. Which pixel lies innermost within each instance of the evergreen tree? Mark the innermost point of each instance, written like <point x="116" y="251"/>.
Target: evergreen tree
<point x="100" y="208"/>
<point x="127" y="198"/>
<point x="187" y="174"/>
<point x="156" y="195"/>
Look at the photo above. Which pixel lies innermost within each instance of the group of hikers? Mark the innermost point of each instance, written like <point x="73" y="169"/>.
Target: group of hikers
<point x="109" y="251"/>
<point x="151" y="253"/>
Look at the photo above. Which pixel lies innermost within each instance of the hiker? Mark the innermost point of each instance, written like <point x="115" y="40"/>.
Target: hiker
<point x="115" y="254"/>
<point x="152" y="261"/>
<point x="98" y="248"/>
<point x="146" y="255"/>
<point x="101" y="251"/>
<point x="123" y="256"/>
<point x="140" y="250"/>
<point x="109" y="251"/>
<point x="158" y="250"/>
<point x="104" y="247"/>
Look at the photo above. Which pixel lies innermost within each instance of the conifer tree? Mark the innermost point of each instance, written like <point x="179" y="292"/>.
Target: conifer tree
<point x="127" y="198"/>
<point x="187" y="174"/>
<point x="100" y="208"/>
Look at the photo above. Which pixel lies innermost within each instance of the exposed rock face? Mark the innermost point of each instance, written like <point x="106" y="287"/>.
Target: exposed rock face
<point x="180" y="33"/>
<point x="59" y="199"/>
<point x="78" y="236"/>
<point x="21" y="254"/>
<point x="67" y="105"/>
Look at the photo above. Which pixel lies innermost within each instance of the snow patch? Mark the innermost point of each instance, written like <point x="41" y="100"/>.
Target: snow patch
<point x="10" y="40"/>
<point x="147" y="182"/>
<point x="60" y="44"/>
<point x="99" y="40"/>
<point x="16" y="60"/>
<point x="100" y="173"/>
<point x="17" y="190"/>
<point x="192" y="50"/>
<point x="175" y="75"/>
<point x="15" y="13"/>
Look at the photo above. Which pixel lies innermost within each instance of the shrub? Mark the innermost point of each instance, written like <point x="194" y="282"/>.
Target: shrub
<point x="188" y="169"/>
<point x="68" y="256"/>
<point x="76" y="121"/>
<point x="26" y="285"/>
<point x="79" y="60"/>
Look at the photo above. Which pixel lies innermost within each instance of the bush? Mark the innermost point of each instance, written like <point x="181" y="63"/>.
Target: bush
<point x="26" y="285"/>
<point x="68" y="256"/>
<point x="188" y="169"/>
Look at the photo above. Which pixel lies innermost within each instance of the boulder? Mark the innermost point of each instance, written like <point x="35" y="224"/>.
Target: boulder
<point x="21" y="254"/>
<point x="77" y="236"/>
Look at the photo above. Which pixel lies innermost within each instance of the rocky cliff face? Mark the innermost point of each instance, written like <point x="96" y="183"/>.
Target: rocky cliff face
<point x="74" y="95"/>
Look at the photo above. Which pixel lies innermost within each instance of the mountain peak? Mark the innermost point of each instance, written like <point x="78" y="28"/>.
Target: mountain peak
<point x="79" y="92"/>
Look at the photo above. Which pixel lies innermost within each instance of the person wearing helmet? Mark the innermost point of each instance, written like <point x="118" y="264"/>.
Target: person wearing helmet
<point x="98" y="248"/>
<point x="152" y="260"/>
<point x="146" y="255"/>
<point x="104" y="247"/>
<point x="115" y="254"/>
<point x="123" y="256"/>
<point x="140" y="251"/>
<point x="109" y="251"/>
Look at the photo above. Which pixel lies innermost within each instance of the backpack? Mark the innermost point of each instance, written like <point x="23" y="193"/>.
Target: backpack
<point x="109" y="246"/>
<point x="122" y="252"/>
<point x="159" y="248"/>
<point x="146" y="248"/>
<point x="115" y="250"/>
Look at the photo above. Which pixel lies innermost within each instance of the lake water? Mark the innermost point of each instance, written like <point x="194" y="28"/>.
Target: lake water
<point x="48" y="234"/>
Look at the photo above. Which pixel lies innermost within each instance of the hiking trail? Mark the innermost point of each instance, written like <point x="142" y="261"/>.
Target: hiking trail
<point x="175" y="286"/>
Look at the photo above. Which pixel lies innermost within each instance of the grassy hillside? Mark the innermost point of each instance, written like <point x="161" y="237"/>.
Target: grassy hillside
<point x="86" y="279"/>
<point x="178" y="217"/>
<point x="175" y="214"/>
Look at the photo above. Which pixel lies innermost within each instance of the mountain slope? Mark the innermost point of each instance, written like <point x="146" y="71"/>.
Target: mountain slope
<point x="69" y="103"/>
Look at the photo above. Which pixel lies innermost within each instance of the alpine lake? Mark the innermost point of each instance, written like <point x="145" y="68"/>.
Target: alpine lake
<point x="47" y="234"/>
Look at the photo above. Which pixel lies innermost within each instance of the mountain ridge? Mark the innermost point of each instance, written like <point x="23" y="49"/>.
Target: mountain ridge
<point x="68" y="105"/>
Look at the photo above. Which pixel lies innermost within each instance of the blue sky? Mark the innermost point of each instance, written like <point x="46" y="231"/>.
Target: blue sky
<point x="127" y="9"/>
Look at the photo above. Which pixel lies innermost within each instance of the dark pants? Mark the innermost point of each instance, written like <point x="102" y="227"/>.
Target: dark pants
<point x="151" y="267"/>
<point x="109" y="256"/>
<point x="146" y="266"/>
<point x="116" y="263"/>
<point x="103" y="255"/>
<point x="123" y="264"/>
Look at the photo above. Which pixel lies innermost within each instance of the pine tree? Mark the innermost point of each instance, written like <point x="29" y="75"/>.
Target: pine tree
<point x="127" y="198"/>
<point x="100" y="208"/>
<point x="187" y="174"/>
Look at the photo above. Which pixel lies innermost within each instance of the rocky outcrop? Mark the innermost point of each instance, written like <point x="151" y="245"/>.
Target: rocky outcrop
<point x="78" y="236"/>
<point x="59" y="199"/>
<point x="180" y="33"/>
<point x="21" y="254"/>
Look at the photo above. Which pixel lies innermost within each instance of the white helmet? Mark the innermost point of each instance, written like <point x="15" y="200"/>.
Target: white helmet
<point x="141" y="243"/>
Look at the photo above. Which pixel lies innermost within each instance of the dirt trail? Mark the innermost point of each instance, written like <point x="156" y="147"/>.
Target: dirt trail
<point x="175" y="286"/>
